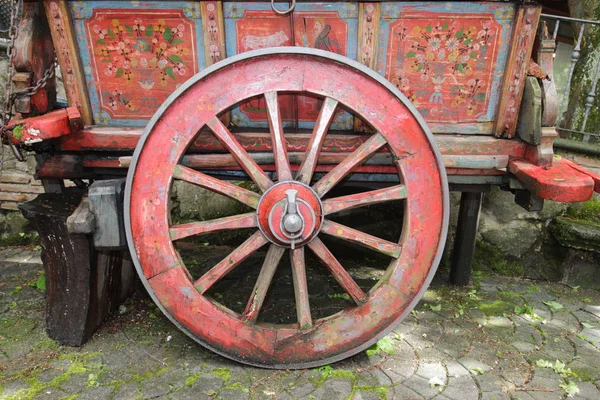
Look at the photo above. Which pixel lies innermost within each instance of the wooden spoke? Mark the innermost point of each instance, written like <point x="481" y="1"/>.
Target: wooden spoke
<point x="300" y="288"/>
<point x="325" y="118"/>
<point x="218" y="186"/>
<point x="263" y="282"/>
<point x="339" y="273"/>
<point x="337" y="204"/>
<point x="241" y="155"/>
<point x="217" y="225"/>
<point x="226" y="265"/>
<point x="284" y="172"/>
<point x="361" y="238"/>
<point x="345" y="167"/>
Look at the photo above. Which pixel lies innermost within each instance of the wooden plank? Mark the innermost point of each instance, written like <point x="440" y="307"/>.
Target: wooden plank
<point x="18" y="197"/>
<point x="21" y="188"/>
<point x="559" y="182"/>
<point x="63" y="36"/>
<point x="9" y="206"/>
<point x="108" y="139"/>
<point x="214" y="33"/>
<point x="515" y="74"/>
<point x="368" y="33"/>
<point x="466" y="234"/>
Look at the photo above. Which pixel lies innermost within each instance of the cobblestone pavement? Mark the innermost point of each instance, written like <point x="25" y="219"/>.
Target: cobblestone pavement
<point x="501" y="338"/>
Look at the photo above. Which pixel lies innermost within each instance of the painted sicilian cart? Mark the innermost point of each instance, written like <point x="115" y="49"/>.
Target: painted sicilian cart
<point x="326" y="110"/>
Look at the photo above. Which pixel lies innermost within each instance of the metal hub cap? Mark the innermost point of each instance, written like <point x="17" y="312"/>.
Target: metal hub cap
<point x="290" y="214"/>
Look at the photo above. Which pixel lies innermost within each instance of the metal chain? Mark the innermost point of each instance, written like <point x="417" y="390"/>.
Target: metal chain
<point x="41" y="83"/>
<point x="10" y="96"/>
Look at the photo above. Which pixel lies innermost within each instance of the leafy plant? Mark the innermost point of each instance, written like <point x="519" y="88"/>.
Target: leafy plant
<point x="570" y="388"/>
<point x="343" y="296"/>
<point x="554" y="305"/>
<point x="435" y="308"/>
<point x="40" y="283"/>
<point x="385" y="345"/>
<point x="558" y="367"/>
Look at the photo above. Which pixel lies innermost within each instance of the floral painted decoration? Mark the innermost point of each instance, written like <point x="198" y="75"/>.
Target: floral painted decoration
<point x="140" y="53"/>
<point x="443" y="65"/>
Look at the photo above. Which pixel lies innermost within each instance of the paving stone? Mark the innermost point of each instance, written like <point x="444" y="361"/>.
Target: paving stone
<point x="96" y="393"/>
<point x="302" y="388"/>
<point x="422" y="386"/>
<point x="226" y="394"/>
<point x="495" y="396"/>
<point x="588" y="390"/>
<point x="128" y="391"/>
<point x="75" y="384"/>
<point x="594" y="310"/>
<point x="471" y="364"/>
<point x="333" y="389"/>
<point x="13" y="387"/>
<point x="463" y="387"/>
<point x="432" y="370"/>
<point x="381" y="394"/>
<point x="404" y="392"/>
<point x="491" y="382"/>
<point x="50" y="394"/>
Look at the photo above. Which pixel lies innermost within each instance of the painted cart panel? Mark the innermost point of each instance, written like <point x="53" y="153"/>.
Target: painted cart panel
<point x="136" y="55"/>
<point x="448" y="58"/>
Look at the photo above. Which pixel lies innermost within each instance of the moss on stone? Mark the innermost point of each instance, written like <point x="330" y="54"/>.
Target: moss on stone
<point x="588" y="211"/>
<point x="223" y="373"/>
<point x="488" y="257"/>
<point x="496" y="308"/>
<point x="577" y="233"/>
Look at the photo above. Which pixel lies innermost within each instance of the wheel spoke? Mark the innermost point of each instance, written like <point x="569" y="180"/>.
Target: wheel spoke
<point x="345" y="167"/>
<point x="361" y="238"/>
<point x="339" y="273"/>
<point x="218" y="186"/>
<point x="313" y="150"/>
<point x="226" y="265"/>
<point x="217" y="225"/>
<point x="241" y="155"/>
<point x="263" y="282"/>
<point x="300" y="288"/>
<point x="284" y="172"/>
<point x="337" y="204"/>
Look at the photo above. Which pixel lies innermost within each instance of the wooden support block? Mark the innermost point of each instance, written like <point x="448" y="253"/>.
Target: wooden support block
<point x="83" y="285"/>
<point x="464" y="242"/>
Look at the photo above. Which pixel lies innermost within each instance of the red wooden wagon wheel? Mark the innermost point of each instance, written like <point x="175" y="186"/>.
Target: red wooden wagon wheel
<point x="290" y="214"/>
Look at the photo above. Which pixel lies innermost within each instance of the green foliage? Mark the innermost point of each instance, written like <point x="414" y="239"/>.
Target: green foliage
<point x="570" y="388"/>
<point x="40" y="283"/>
<point x="554" y="305"/>
<point x="343" y="296"/>
<point x="558" y="367"/>
<point x="385" y="345"/>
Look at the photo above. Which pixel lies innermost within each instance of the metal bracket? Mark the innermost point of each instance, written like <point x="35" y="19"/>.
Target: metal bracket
<point x="106" y="201"/>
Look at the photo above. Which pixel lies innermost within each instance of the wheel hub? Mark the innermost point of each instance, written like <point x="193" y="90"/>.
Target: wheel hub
<point x="290" y="214"/>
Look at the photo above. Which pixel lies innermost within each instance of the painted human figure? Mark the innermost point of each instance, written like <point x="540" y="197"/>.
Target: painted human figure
<point x="323" y="39"/>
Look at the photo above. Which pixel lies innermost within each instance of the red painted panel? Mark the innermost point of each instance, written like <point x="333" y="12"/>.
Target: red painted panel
<point x="258" y="30"/>
<point x="444" y="64"/>
<point x="320" y="30"/>
<point x="139" y="58"/>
